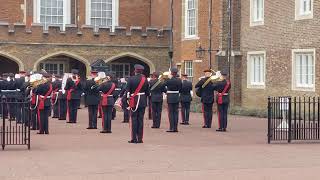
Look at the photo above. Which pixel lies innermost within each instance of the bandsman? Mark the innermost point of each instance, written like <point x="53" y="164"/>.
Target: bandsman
<point x="124" y="100"/>
<point x="185" y="99"/>
<point x="138" y="91"/>
<point x="56" y="86"/>
<point x="173" y="86"/>
<point x="157" y="88"/>
<point x="206" y="89"/>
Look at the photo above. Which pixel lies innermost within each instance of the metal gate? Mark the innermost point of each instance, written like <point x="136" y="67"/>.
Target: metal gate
<point x="15" y="125"/>
<point x="293" y="118"/>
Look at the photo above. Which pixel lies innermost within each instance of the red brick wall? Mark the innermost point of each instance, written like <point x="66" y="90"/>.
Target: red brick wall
<point x="10" y="11"/>
<point x="134" y="13"/>
<point x="160" y="13"/>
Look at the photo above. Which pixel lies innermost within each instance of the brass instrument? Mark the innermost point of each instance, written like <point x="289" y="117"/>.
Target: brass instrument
<point x="164" y="76"/>
<point x="100" y="79"/>
<point x="213" y="78"/>
<point x="36" y="80"/>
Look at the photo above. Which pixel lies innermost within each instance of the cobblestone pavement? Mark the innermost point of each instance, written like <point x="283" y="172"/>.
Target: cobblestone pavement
<point x="71" y="152"/>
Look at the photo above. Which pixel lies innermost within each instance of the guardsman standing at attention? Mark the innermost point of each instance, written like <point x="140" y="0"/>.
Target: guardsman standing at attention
<point x="157" y="89"/>
<point x="223" y="87"/>
<point x="20" y="96"/>
<point x="173" y="85"/>
<point x="92" y="100"/>
<point x="43" y="91"/>
<point x="107" y="89"/>
<point x="74" y="91"/>
<point x="207" y="97"/>
<point x="62" y="101"/>
<point x="56" y="85"/>
<point x="185" y="99"/>
<point x="138" y="91"/>
<point x="124" y="102"/>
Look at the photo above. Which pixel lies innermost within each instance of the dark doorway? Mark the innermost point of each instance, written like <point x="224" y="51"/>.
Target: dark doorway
<point x="8" y="66"/>
<point x="124" y="66"/>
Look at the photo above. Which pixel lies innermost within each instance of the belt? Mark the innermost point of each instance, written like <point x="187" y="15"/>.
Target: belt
<point x="108" y="95"/>
<point x="225" y="94"/>
<point x="8" y="90"/>
<point x="117" y="89"/>
<point x="173" y="92"/>
<point x="48" y="97"/>
<point x="139" y="94"/>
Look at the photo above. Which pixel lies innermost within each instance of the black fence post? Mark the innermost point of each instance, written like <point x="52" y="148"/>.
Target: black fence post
<point x="269" y="120"/>
<point x="289" y="120"/>
<point x="3" y="99"/>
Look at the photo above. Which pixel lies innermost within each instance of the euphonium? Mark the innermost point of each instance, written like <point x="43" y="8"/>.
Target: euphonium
<point x="164" y="76"/>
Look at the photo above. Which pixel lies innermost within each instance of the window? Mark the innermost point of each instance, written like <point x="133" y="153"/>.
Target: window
<point x="304" y="9"/>
<point x="188" y="69"/>
<point x="256" y="69"/>
<point x="190" y="18"/>
<point x="303" y="69"/>
<point x="121" y="70"/>
<point x="53" y="68"/>
<point x="52" y="12"/>
<point x="102" y="13"/>
<point x="257" y="12"/>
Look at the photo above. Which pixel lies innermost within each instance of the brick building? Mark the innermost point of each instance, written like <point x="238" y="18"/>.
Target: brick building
<point x="280" y="44"/>
<point x="58" y="35"/>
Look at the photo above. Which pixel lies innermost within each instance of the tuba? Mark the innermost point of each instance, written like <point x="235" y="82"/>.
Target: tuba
<point x="36" y="80"/>
<point x="100" y="79"/>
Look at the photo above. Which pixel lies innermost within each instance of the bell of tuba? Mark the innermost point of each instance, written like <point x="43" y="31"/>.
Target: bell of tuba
<point x="36" y="80"/>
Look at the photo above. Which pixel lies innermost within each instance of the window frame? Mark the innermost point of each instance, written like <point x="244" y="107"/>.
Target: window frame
<point x="254" y="22"/>
<point x="186" y="20"/>
<point x="190" y="77"/>
<point x="66" y="13"/>
<point x="298" y="15"/>
<point x="115" y="13"/>
<point x="251" y="84"/>
<point x="295" y="85"/>
<point x="58" y="63"/>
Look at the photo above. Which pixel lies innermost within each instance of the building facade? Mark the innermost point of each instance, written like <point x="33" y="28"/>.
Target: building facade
<point x="280" y="44"/>
<point x="59" y="35"/>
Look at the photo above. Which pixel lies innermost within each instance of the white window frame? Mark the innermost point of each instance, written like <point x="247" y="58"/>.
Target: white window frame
<point x="250" y="83"/>
<point x="115" y="13"/>
<point x="58" y="63"/>
<point x="253" y="10"/>
<point x="186" y="24"/>
<point x="296" y="86"/>
<point x="299" y="14"/>
<point x="123" y="66"/>
<point x="66" y="12"/>
<point x="191" y="69"/>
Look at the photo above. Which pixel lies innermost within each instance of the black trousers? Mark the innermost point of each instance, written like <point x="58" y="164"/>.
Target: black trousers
<point x="34" y="119"/>
<point x="137" y="124"/>
<point x="156" y="113"/>
<point x="185" y="111"/>
<point x="93" y="115"/>
<point x="107" y="117"/>
<point x="56" y="110"/>
<point x="150" y="109"/>
<point x="19" y="108"/>
<point x="207" y="114"/>
<point x="62" y="109"/>
<point x="44" y="120"/>
<point x="12" y="108"/>
<point x="126" y="114"/>
<point x="114" y="113"/>
<point x="173" y="110"/>
<point x="223" y="115"/>
<point x="73" y="106"/>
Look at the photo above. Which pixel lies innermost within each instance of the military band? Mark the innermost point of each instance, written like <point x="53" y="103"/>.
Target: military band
<point x="103" y="90"/>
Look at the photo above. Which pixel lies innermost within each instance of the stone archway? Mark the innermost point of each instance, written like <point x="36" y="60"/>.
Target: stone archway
<point x="62" y="62"/>
<point x="9" y="63"/>
<point x="123" y="64"/>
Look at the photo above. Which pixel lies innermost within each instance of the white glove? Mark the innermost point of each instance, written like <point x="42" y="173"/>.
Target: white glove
<point x="82" y="94"/>
<point x="191" y="92"/>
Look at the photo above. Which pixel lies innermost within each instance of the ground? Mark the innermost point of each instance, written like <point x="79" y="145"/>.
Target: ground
<point x="71" y="152"/>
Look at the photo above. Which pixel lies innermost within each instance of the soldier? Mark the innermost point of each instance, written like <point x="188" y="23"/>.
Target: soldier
<point x="116" y="93"/>
<point x="56" y="85"/>
<point x="173" y="85"/>
<point x="124" y="102"/>
<point x="92" y="99"/>
<point x="156" y="99"/>
<point x="185" y="99"/>
<point x="74" y="91"/>
<point x="62" y="102"/>
<point x="20" y="94"/>
<point x="207" y="97"/>
<point x="149" y="101"/>
<point x="11" y="96"/>
<point x="107" y="103"/>
<point x="138" y="91"/>
<point x="43" y="92"/>
<point x="223" y="87"/>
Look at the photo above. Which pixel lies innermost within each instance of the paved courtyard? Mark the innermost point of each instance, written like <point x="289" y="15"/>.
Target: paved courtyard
<point x="71" y="152"/>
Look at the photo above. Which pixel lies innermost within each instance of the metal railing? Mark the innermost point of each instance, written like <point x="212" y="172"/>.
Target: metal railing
<point x="15" y="125"/>
<point x="293" y="118"/>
